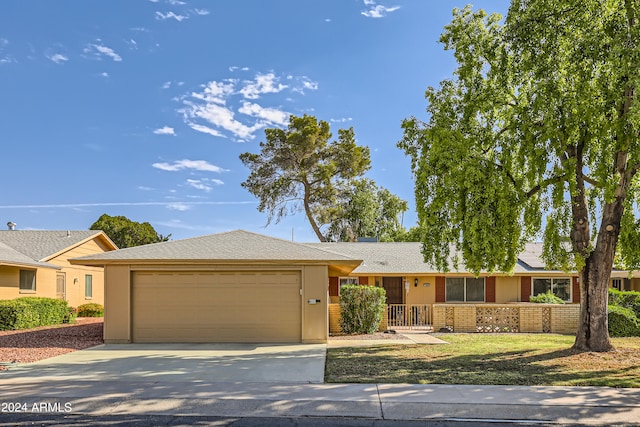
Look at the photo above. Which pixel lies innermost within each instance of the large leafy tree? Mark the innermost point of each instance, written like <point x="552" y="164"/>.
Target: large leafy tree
<point x="126" y="233"/>
<point x="366" y="210"/>
<point x="300" y="168"/>
<point x="536" y="134"/>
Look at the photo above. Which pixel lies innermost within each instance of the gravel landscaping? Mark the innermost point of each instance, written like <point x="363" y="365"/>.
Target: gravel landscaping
<point x="32" y="345"/>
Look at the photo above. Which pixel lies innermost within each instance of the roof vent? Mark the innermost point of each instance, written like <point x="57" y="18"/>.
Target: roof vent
<point x="11" y="225"/>
<point x="68" y="233"/>
<point x="367" y="240"/>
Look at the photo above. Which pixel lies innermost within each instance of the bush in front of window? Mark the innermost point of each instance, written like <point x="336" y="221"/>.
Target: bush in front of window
<point x="361" y="308"/>
<point x="546" y="298"/>
<point x="31" y="312"/>
<point x="51" y="311"/>
<point x="627" y="299"/>
<point x="16" y="314"/>
<point x="623" y="322"/>
<point x="90" y="310"/>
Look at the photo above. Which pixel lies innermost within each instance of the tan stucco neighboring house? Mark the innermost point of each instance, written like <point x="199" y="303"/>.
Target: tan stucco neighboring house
<point x="36" y="263"/>
<point x="229" y="287"/>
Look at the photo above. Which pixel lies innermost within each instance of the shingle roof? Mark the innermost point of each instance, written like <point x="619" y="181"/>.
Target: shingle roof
<point x="406" y="257"/>
<point x="9" y="256"/>
<point x="233" y="246"/>
<point x="40" y="245"/>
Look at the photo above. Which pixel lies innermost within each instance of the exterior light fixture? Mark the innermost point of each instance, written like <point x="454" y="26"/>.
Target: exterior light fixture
<point x="415" y="282"/>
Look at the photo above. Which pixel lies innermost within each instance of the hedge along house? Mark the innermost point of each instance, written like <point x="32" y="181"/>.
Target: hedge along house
<point x="36" y="263"/>
<point x="229" y="287"/>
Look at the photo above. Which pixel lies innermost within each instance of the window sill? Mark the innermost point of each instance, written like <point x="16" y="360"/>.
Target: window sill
<point x="27" y="291"/>
<point x="88" y="298"/>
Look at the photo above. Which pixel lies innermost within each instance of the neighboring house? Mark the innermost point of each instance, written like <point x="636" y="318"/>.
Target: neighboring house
<point x="35" y="263"/>
<point x="245" y="287"/>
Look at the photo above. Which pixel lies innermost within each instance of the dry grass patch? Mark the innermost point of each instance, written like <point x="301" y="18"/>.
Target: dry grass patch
<point x="505" y="359"/>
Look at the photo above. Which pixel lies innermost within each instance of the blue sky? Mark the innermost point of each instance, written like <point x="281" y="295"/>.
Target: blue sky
<point x="141" y="108"/>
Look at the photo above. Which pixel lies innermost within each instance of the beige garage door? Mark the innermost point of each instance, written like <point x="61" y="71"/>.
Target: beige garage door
<point x="216" y="307"/>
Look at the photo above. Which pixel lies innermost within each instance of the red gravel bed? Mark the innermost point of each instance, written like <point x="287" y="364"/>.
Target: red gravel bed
<point x="31" y="345"/>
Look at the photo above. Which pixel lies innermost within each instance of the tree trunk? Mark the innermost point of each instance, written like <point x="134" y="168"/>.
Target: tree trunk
<point x="593" y="327"/>
<point x="307" y="211"/>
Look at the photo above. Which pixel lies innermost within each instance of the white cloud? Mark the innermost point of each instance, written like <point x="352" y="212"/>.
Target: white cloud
<point x="107" y="204"/>
<point x="205" y="129"/>
<point x="143" y="188"/>
<point x="166" y="85"/>
<point x="199" y="165"/>
<point x="58" y="58"/>
<point x="133" y="45"/>
<point x="176" y="2"/>
<point x="104" y="74"/>
<point x="201" y="12"/>
<point x="263" y="83"/>
<point x="178" y="206"/>
<point x="341" y="120"/>
<point x="100" y="50"/>
<point x="222" y="108"/>
<point x="270" y="115"/>
<point x="199" y="185"/>
<point x="377" y="10"/>
<point x="166" y="130"/>
<point x="222" y="117"/>
<point x="215" y="92"/>
<point x="170" y="15"/>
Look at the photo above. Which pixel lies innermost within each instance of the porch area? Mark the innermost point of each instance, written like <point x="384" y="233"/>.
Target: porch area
<point x="479" y="318"/>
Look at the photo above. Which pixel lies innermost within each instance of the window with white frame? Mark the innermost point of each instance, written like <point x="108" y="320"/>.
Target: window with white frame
<point x="346" y="281"/>
<point x="464" y="289"/>
<point x="560" y="287"/>
<point x="27" y="280"/>
<point x="88" y="286"/>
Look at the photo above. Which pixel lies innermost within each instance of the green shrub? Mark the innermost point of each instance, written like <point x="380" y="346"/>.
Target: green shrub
<point x="546" y="298"/>
<point x="31" y="312"/>
<point x="627" y="299"/>
<point x="623" y="322"/>
<point x="16" y="314"/>
<point x="90" y="310"/>
<point x="362" y="308"/>
<point x="51" y="311"/>
<point x="71" y="315"/>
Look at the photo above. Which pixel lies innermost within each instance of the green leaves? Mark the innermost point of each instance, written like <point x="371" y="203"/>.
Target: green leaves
<point x="301" y="169"/>
<point x="365" y="210"/>
<point x="536" y="130"/>
<point x="126" y="233"/>
<point x="361" y="308"/>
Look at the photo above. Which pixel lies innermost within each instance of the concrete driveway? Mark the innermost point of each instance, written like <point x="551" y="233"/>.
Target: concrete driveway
<point x="285" y="363"/>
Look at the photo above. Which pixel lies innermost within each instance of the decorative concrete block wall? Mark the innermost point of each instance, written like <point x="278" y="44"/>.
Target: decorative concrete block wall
<point x="519" y="317"/>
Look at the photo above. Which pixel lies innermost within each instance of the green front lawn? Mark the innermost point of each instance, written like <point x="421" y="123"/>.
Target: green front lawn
<point x="506" y="359"/>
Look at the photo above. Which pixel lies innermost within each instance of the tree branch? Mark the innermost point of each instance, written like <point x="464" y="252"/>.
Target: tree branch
<point x="544" y="184"/>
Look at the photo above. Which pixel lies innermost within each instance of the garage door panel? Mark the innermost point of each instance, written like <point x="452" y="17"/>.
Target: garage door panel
<point x="216" y="307"/>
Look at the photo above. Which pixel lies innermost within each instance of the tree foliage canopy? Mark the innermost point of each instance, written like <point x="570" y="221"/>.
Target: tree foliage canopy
<point x="366" y="210"/>
<point x="536" y="133"/>
<point x="300" y="168"/>
<point x="126" y="233"/>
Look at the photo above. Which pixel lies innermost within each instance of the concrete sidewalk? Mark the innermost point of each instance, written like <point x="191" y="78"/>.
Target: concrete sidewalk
<point x="571" y="405"/>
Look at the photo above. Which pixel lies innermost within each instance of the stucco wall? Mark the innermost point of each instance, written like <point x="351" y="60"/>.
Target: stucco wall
<point x="315" y="319"/>
<point x="117" y="304"/>
<point x="507" y="289"/>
